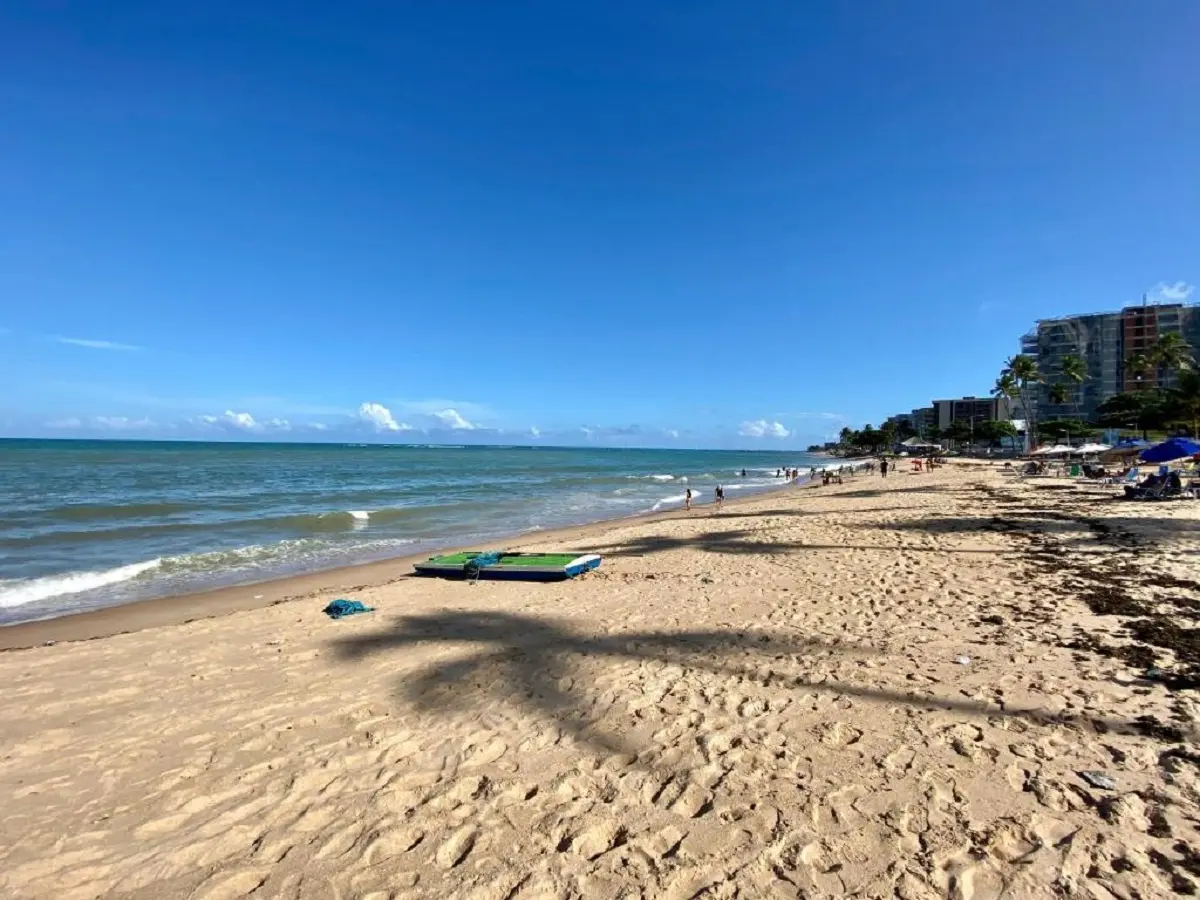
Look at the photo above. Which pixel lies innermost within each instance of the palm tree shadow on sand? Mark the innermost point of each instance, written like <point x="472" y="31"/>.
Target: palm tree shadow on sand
<point x="511" y="658"/>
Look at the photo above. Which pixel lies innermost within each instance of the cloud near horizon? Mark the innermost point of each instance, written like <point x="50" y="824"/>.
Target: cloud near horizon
<point x="240" y="421"/>
<point x="1171" y="293"/>
<point x="762" y="428"/>
<point x="453" y="420"/>
<point x="380" y="418"/>
<point x="97" y="344"/>
<point x="101" y="423"/>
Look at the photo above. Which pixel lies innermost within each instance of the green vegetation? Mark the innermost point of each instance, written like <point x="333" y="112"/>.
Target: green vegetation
<point x="1064" y="429"/>
<point x="1019" y="376"/>
<point x="1152" y="407"/>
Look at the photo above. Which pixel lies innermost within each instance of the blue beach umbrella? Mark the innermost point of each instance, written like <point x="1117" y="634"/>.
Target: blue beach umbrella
<point x="1175" y="448"/>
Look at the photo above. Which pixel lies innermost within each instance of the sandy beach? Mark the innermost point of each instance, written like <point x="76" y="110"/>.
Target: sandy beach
<point x="885" y="688"/>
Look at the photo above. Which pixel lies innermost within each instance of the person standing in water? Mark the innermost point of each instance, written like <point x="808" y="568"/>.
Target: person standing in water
<point x="687" y="499"/>
<point x="720" y="495"/>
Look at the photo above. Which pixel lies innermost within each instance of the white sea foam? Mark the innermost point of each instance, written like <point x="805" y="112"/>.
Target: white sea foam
<point x="673" y="500"/>
<point x="30" y="590"/>
<point x="361" y="514"/>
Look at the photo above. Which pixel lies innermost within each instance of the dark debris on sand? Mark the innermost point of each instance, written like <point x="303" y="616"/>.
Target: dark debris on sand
<point x="1105" y="583"/>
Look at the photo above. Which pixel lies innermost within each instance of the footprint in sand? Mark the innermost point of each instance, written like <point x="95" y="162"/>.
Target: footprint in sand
<point x="228" y="887"/>
<point x="391" y="842"/>
<point x="456" y="847"/>
<point x="486" y="754"/>
<point x="838" y="734"/>
<point x="598" y="840"/>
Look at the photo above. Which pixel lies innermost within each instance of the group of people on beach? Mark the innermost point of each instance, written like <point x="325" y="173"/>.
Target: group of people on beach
<point x="789" y="474"/>
<point x="718" y="497"/>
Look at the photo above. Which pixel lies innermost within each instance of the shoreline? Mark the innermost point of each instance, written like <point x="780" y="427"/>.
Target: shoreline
<point x="833" y="691"/>
<point x="179" y="609"/>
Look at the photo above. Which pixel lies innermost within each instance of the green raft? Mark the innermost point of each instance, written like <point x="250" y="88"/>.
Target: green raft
<point x="509" y="566"/>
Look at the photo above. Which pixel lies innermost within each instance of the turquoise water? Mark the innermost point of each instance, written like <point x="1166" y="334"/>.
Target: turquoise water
<point x="88" y="524"/>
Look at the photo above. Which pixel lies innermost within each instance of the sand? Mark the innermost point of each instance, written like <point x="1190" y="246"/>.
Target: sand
<point x="885" y="688"/>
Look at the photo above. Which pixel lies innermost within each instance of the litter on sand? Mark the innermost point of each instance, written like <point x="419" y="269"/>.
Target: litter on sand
<point x="963" y="660"/>
<point x="340" y="608"/>
<point x="1098" y="780"/>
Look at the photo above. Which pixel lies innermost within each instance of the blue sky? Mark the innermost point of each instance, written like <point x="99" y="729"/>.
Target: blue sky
<point x="700" y="224"/>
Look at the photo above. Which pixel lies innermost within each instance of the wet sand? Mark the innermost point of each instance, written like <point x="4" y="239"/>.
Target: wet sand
<point x="184" y="608"/>
<point x="885" y="688"/>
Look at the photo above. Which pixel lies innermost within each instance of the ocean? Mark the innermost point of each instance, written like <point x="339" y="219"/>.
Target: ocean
<point x="90" y="524"/>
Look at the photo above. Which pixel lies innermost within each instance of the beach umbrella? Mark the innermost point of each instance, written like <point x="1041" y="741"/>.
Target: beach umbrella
<point x="1118" y="454"/>
<point x="1088" y="449"/>
<point x="1175" y="448"/>
<point x="1056" y="450"/>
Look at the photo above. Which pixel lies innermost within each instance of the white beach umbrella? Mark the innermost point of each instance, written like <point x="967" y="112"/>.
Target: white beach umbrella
<point x="1088" y="449"/>
<point x="1056" y="450"/>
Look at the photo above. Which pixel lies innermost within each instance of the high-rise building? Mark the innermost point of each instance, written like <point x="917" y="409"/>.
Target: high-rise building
<point x="970" y="409"/>
<point x="1107" y="343"/>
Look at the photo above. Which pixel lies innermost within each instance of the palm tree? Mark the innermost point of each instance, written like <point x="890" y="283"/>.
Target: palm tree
<point x="1139" y="365"/>
<point x="1023" y="372"/>
<point x="1006" y="386"/>
<point x="1171" y="354"/>
<point x="846" y="435"/>
<point x="1186" y="398"/>
<point x="1075" y="371"/>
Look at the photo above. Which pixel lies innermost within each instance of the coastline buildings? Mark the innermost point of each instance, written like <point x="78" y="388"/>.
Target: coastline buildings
<point x="1112" y="346"/>
<point x="971" y="409"/>
<point x="944" y="413"/>
<point x="1109" y="345"/>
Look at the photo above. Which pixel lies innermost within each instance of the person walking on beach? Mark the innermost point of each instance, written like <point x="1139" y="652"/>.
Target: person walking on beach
<point x="720" y="495"/>
<point x="883" y="467"/>
<point x="687" y="499"/>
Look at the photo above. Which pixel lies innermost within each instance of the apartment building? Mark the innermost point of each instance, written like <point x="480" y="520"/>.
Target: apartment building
<point x="919" y="420"/>
<point x="967" y="409"/>
<point x="1107" y="343"/>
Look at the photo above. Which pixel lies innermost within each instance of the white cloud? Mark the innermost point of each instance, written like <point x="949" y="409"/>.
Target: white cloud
<point x="534" y="431"/>
<point x="318" y="426"/>
<point x="278" y="424"/>
<point x="763" y="428"/>
<point x="379" y="416"/>
<point x="238" y="421"/>
<point x="671" y="433"/>
<point x="96" y="345"/>
<point x="451" y="418"/>
<point x="102" y="423"/>
<point x="120" y="423"/>
<point x="242" y="420"/>
<point x="436" y="405"/>
<point x="1171" y="293"/>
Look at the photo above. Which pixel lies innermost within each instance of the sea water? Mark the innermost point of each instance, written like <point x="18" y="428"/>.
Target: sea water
<point x="89" y="524"/>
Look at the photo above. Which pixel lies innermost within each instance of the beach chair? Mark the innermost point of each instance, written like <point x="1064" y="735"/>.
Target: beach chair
<point x="1168" y="488"/>
<point x="1129" y="479"/>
